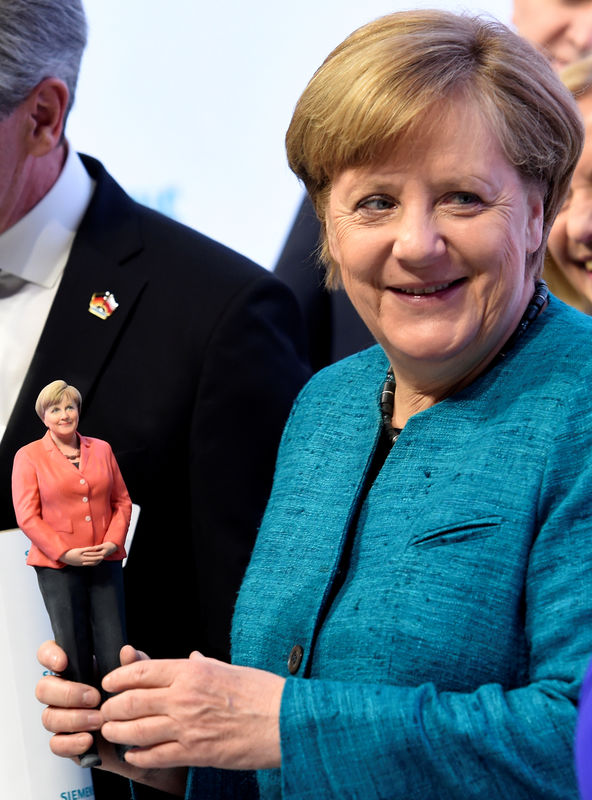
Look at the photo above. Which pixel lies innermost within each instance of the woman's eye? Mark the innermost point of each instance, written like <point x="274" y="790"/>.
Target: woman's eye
<point x="465" y="199"/>
<point x="376" y="203"/>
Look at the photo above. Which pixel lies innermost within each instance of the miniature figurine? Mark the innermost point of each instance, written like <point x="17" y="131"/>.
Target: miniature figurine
<point x="72" y="503"/>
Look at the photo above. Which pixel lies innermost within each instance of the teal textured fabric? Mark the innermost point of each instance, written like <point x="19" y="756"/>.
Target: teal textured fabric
<point x="449" y="663"/>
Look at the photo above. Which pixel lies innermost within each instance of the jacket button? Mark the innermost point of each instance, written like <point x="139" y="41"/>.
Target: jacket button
<point x="87" y="518"/>
<point x="85" y="499"/>
<point x="295" y="659"/>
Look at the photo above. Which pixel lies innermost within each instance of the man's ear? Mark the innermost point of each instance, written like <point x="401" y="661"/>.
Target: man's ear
<point x="46" y="108"/>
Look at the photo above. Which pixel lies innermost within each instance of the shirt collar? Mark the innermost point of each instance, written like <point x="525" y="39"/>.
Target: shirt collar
<point x="37" y="247"/>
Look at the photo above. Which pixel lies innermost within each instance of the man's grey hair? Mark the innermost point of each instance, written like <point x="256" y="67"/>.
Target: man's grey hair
<point x="39" y="39"/>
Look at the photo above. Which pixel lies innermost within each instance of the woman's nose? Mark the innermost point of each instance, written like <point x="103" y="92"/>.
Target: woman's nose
<point x="580" y="32"/>
<point x="417" y="241"/>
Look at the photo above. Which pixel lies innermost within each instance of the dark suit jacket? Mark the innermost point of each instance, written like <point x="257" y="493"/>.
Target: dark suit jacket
<point x="190" y="381"/>
<point x="334" y="329"/>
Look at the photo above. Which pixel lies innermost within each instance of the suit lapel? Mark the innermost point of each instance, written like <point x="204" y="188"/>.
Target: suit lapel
<point x="75" y="344"/>
<point x="85" y="446"/>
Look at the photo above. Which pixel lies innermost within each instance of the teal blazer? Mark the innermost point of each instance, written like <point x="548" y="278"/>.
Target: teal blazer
<point x="449" y="662"/>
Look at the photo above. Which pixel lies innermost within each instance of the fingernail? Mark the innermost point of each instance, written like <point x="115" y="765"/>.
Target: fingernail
<point x="88" y="698"/>
<point x="94" y="719"/>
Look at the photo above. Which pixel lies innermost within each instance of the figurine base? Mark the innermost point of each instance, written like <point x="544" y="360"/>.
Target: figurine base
<point x="90" y="760"/>
<point x="121" y="750"/>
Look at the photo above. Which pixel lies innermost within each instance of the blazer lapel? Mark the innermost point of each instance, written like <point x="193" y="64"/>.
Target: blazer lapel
<point x="75" y="344"/>
<point x="84" y="452"/>
<point x="328" y="449"/>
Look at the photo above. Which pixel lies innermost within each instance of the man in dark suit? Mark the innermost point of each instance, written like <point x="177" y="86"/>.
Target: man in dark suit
<point x="187" y="355"/>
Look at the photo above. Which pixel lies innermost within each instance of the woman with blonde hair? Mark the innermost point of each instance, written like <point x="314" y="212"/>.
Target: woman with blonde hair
<point x="568" y="264"/>
<point x="414" y="622"/>
<point x="568" y="270"/>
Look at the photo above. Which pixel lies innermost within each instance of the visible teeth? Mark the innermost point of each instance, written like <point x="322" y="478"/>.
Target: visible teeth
<point x="432" y="289"/>
<point x="588" y="266"/>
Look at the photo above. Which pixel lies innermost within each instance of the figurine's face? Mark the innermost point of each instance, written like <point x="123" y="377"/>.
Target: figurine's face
<point x="62" y="418"/>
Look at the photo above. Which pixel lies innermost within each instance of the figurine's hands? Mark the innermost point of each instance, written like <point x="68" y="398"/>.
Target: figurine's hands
<point x="195" y="712"/>
<point x="88" y="556"/>
<point x="105" y="549"/>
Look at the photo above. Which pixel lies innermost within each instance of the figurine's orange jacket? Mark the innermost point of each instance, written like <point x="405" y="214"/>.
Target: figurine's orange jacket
<point x="60" y="507"/>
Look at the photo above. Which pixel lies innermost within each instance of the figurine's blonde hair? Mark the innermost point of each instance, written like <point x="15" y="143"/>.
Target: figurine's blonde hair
<point x="53" y="393"/>
<point x="395" y="74"/>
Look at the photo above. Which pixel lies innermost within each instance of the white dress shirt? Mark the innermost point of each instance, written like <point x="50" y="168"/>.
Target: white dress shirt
<point x="36" y="249"/>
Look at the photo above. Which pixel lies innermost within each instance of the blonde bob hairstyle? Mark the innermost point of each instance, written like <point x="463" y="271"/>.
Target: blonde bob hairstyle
<point x="53" y="393"/>
<point x="387" y="77"/>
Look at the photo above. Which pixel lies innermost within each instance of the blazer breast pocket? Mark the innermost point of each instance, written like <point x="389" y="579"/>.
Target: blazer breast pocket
<point x="62" y="526"/>
<point x="458" y="532"/>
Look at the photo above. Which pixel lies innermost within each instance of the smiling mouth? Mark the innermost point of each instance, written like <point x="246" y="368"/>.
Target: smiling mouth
<point x="439" y="287"/>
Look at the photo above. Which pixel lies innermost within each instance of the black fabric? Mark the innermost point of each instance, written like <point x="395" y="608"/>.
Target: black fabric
<point x="87" y="615"/>
<point x="196" y="368"/>
<point x="334" y="329"/>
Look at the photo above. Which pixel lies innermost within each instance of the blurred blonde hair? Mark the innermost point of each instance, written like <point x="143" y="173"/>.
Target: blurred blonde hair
<point x="53" y="393"/>
<point x="577" y="77"/>
<point x="384" y="80"/>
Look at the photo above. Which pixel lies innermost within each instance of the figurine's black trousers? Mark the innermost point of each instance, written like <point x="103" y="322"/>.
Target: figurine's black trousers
<point x="87" y="614"/>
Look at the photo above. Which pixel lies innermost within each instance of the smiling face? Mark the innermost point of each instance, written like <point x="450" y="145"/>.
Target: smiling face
<point x="570" y="240"/>
<point x="62" y="419"/>
<point x="432" y="243"/>
<point x="562" y="29"/>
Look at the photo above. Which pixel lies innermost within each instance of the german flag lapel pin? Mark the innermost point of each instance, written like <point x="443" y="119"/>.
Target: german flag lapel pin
<point x="102" y="304"/>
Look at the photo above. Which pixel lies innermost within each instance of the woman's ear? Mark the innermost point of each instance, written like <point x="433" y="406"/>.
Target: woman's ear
<point x="535" y="220"/>
<point x="46" y="108"/>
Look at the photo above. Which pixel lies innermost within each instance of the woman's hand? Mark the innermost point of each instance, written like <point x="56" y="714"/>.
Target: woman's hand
<point x="88" y="556"/>
<point x="72" y="706"/>
<point x="72" y="712"/>
<point x="195" y="712"/>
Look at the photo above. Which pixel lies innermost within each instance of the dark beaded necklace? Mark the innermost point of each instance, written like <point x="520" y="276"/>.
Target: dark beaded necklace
<point x="387" y="407"/>
<point x="387" y="396"/>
